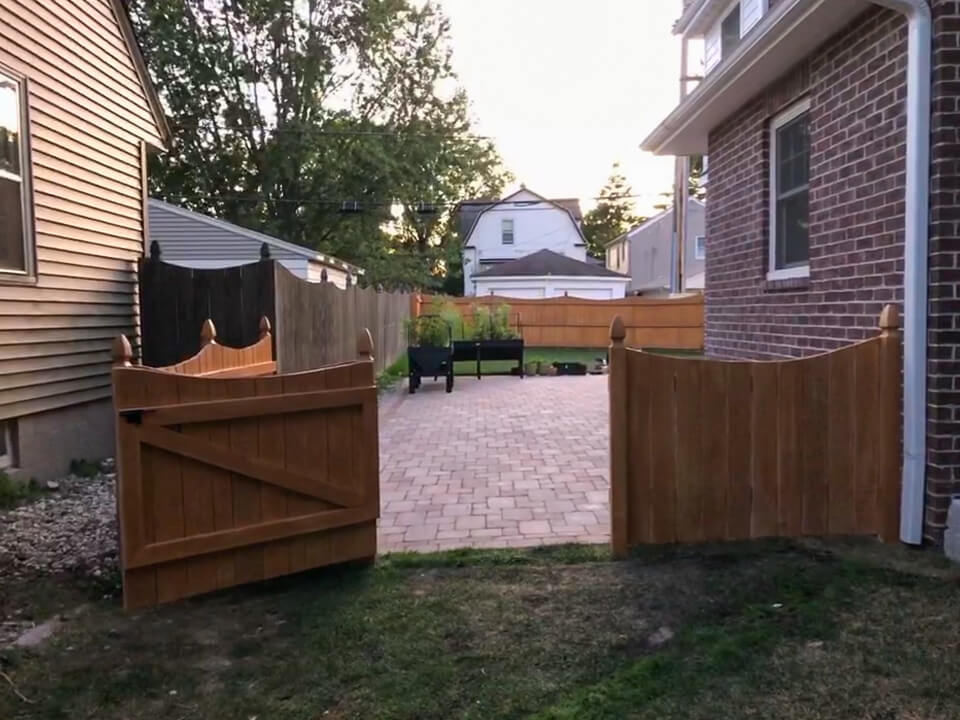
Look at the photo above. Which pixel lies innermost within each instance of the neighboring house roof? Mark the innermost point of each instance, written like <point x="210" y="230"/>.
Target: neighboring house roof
<point x="650" y="222"/>
<point x="546" y="262"/>
<point x="470" y="211"/>
<point x="126" y="27"/>
<point x="259" y="237"/>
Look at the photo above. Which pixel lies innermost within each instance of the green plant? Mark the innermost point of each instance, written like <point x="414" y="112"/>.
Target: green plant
<point x="491" y="324"/>
<point x="437" y="327"/>
<point x="13" y="492"/>
<point x="84" y="468"/>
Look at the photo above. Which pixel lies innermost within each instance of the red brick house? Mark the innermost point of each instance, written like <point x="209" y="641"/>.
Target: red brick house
<point x="833" y="135"/>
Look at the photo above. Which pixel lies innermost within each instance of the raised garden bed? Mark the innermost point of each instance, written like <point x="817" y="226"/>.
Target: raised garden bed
<point x="430" y="351"/>
<point x="492" y="350"/>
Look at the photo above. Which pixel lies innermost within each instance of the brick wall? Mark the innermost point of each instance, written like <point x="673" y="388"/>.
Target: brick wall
<point x="943" y="413"/>
<point x="856" y="85"/>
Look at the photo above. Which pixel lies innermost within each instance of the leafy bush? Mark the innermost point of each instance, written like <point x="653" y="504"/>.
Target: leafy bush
<point x="490" y="324"/>
<point x="13" y="492"/>
<point x="436" y="327"/>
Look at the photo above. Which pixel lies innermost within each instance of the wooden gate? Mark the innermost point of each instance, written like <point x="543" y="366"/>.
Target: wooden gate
<point x="229" y="474"/>
<point x="708" y="450"/>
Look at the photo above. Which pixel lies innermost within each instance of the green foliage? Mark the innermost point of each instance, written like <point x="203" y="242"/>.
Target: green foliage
<point x="84" y="468"/>
<point x="495" y="324"/>
<point x="282" y="110"/>
<point x="613" y="215"/>
<point x="393" y="374"/>
<point x="13" y="492"/>
<point x="435" y="328"/>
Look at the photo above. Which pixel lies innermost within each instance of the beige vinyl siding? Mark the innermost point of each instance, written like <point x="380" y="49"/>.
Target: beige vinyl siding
<point x="88" y="114"/>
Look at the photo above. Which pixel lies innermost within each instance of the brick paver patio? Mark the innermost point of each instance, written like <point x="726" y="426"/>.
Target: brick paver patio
<point x="500" y="462"/>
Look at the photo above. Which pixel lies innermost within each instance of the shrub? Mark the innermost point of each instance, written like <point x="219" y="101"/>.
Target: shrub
<point x="490" y="324"/>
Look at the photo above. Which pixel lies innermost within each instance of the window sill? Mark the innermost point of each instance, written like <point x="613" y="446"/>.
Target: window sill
<point x="12" y="278"/>
<point x="786" y="284"/>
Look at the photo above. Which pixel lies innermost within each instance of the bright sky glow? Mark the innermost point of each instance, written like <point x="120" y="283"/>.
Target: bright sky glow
<point x="568" y="87"/>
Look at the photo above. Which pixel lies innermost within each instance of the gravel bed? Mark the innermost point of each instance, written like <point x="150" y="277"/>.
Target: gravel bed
<point x="67" y="530"/>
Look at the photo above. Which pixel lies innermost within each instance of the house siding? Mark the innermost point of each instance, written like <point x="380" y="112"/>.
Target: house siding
<point x="89" y="115"/>
<point x="856" y="87"/>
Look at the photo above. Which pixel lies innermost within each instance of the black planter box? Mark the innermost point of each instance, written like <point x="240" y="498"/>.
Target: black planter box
<point x="481" y="350"/>
<point x="429" y="360"/>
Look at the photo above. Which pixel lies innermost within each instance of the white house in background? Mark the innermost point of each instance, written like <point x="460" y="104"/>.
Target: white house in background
<point x="645" y="252"/>
<point x="199" y="241"/>
<point x="498" y="231"/>
<point x="547" y="274"/>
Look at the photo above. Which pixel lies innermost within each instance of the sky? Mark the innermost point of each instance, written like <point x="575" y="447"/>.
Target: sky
<point x="568" y="87"/>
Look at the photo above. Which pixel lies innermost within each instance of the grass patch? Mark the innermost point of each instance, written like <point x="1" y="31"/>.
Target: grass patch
<point x="14" y="493"/>
<point x="761" y="630"/>
<point x="389" y="378"/>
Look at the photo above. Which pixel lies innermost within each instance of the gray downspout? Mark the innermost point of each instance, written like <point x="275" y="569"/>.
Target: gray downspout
<point x="915" y="252"/>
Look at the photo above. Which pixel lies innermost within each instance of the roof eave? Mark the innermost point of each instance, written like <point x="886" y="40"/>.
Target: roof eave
<point x="616" y="276"/>
<point x="784" y="37"/>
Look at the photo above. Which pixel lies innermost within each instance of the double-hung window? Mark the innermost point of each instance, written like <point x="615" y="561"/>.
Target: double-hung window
<point x="15" y="224"/>
<point x="790" y="193"/>
<point x="700" y="247"/>
<point x="506" y="231"/>
<point x="730" y="32"/>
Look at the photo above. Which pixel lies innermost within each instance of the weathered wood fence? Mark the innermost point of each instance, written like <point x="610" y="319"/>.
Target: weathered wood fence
<point x="315" y="324"/>
<point x="707" y="450"/>
<point x="230" y="474"/>
<point x="675" y="323"/>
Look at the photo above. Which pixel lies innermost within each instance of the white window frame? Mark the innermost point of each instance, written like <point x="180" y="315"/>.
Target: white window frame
<point x="28" y="273"/>
<point x="799" y="271"/>
<point x="700" y="247"/>
<point x="503" y="231"/>
<point x="723" y="18"/>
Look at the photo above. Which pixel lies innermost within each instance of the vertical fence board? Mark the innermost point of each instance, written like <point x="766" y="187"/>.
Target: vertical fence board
<point x="866" y="489"/>
<point x="245" y="439"/>
<point x="636" y="444"/>
<point x="764" y="509"/>
<point x="814" y="418"/>
<point x="690" y="467"/>
<point x="714" y="436"/>
<point x="198" y="494"/>
<point x="663" y="411"/>
<point x="789" y="458"/>
<point x="273" y="500"/>
<point x="841" y="443"/>
<point x="739" y="434"/>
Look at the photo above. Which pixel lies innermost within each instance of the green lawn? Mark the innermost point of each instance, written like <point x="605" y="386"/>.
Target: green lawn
<point x="762" y="630"/>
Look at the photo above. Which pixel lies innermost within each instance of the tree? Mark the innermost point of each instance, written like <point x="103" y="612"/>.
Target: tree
<point x="335" y="124"/>
<point x="612" y="216"/>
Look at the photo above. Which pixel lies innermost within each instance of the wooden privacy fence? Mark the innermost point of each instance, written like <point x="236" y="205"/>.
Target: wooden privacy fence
<point x="315" y="324"/>
<point x="708" y="450"/>
<point x="229" y="474"/>
<point x="675" y="323"/>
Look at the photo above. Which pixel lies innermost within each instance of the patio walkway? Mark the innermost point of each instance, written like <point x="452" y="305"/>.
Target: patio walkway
<point x="500" y="462"/>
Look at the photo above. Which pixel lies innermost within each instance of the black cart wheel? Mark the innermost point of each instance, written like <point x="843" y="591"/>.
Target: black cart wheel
<point x="450" y="381"/>
<point x="412" y="384"/>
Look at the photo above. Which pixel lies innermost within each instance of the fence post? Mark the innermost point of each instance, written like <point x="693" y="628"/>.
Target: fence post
<point x="619" y="442"/>
<point x="891" y="391"/>
<point x="415" y="302"/>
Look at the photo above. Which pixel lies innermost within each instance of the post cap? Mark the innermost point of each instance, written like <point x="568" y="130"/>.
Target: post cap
<point x="617" y="331"/>
<point x="208" y="333"/>
<point x="264" y="327"/>
<point x="364" y="343"/>
<point x="122" y="352"/>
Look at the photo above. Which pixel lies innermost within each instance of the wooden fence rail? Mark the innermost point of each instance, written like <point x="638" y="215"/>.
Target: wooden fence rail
<point x="706" y="450"/>
<point x="230" y="474"/>
<point x="675" y="323"/>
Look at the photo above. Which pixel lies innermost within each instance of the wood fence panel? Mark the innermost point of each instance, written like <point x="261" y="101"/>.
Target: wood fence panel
<point x="226" y="480"/>
<point x="576" y="322"/>
<point x="175" y="301"/>
<point x="318" y="323"/>
<point x="708" y="450"/>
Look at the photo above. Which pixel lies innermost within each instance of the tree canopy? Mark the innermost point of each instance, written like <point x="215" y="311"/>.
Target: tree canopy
<point x="612" y="216"/>
<point x="334" y="124"/>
